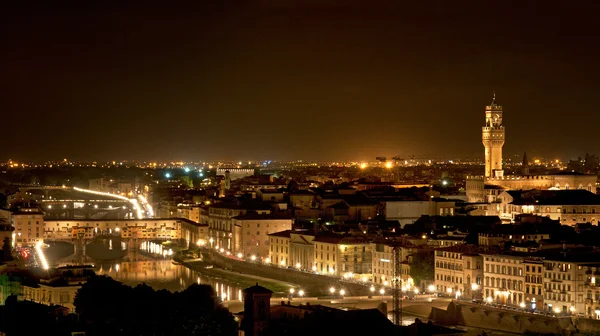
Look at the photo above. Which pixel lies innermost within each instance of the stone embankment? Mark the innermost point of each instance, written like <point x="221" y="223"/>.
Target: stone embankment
<point x="314" y="284"/>
<point x="490" y="318"/>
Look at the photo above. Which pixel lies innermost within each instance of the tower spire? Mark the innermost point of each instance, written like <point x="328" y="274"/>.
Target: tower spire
<point x="493" y="97"/>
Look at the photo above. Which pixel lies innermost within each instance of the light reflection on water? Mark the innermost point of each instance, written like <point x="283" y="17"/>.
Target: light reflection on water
<point x="163" y="274"/>
<point x="133" y="268"/>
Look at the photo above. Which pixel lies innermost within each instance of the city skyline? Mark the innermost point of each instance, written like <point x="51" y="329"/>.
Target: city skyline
<point x="312" y="80"/>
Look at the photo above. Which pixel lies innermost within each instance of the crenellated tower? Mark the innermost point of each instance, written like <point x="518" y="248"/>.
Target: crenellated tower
<point x="493" y="139"/>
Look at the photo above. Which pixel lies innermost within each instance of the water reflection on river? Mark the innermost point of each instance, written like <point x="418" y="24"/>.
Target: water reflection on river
<point x="130" y="267"/>
<point x="163" y="274"/>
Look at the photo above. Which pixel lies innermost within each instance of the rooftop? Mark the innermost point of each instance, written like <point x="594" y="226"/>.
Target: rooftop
<point x="554" y="197"/>
<point x="256" y="289"/>
<point x="284" y="234"/>
<point x="257" y="216"/>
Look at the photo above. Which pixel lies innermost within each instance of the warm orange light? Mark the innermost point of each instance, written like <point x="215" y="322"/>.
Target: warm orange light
<point x="388" y="165"/>
<point x="363" y="165"/>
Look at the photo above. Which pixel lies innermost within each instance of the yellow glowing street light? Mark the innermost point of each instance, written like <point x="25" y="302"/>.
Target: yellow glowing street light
<point x="416" y="290"/>
<point x="557" y="310"/>
<point x="363" y="165"/>
<point x="431" y="288"/>
<point x="292" y="291"/>
<point x="372" y="289"/>
<point x="382" y="291"/>
<point x="474" y="286"/>
<point x="388" y="165"/>
<point x="489" y="299"/>
<point x="314" y="268"/>
<point x="449" y="290"/>
<point x="342" y="292"/>
<point x="301" y="292"/>
<point x="253" y="257"/>
<point x="522" y="304"/>
<point x="239" y="255"/>
<point x="268" y="260"/>
<point x="298" y="265"/>
<point x="332" y="290"/>
<point x="572" y="309"/>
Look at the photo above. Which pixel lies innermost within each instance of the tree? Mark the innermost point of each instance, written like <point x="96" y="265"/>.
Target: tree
<point x="109" y="308"/>
<point x="422" y="266"/>
<point x="6" y="249"/>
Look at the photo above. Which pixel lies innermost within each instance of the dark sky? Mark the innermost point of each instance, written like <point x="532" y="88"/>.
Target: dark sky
<point x="296" y="79"/>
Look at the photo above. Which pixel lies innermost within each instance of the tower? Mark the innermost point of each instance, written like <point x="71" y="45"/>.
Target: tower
<point x="525" y="164"/>
<point x="493" y="139"/>
<point x="257" y="310"/>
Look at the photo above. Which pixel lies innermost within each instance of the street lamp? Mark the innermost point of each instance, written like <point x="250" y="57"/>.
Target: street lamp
<point x="239" y="255"/>
<point x="372" y="289"/>
<point x="431" y="288"/>
<point x="253" y="257"/>
<point x="268" y="260"/>
<point x="489" y="299"/>
<point x="342" y="292"/>
<point x="292" y="291"/>
<point x="474" y="286"/>
<point x="332" y="290"/>
<point x="522" y="305"/>
<point x="298" y="265"/>
<point x="301" y="293"/>
<point x="416" y="290"/>
<point x="458" y="294"/>
<point x="382" y="291"/>
<point x="557" y="310"/>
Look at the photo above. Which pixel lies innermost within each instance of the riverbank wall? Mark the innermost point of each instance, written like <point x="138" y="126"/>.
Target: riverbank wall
<point x="305" y="279"/>
<point x="495" y="319"/>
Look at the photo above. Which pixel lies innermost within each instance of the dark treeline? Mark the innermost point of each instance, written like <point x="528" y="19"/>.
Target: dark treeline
<point x="108" y="307"/>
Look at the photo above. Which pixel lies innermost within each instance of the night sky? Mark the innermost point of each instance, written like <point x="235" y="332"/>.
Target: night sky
<point x="294" y="79"/>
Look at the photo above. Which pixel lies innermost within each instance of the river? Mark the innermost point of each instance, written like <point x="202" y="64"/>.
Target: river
<point x="112" y="258"/>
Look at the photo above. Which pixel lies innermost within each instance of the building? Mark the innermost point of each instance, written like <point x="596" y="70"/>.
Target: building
<point x="484" y="188"/>
<point x="189" y="211"/>
<point x="235" y="173"/>
<point x="459" y="271"/>
<point x="270" y="195"/>
<point x="383" y="263"/>
<point x="193" y="233"/>
<point x="569" y="283"/>
<point x="534" y="282"/>
<point x="504" y="278"/>
<point x="252" y="232"/>
<point x="570" y="207"/>
<point x="148" y="228"/>
<point x="221" y="225"/>
<point x="279" y="248"/>
<point x="29" y="226"/>
<point x="342" y="255"/>
<point x="302" y="249"/>
<point x="59" y="288"/>
<point x="407" y="212"/>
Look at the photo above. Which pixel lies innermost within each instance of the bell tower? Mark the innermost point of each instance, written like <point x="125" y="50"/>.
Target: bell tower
<point x="493" y="139"/>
